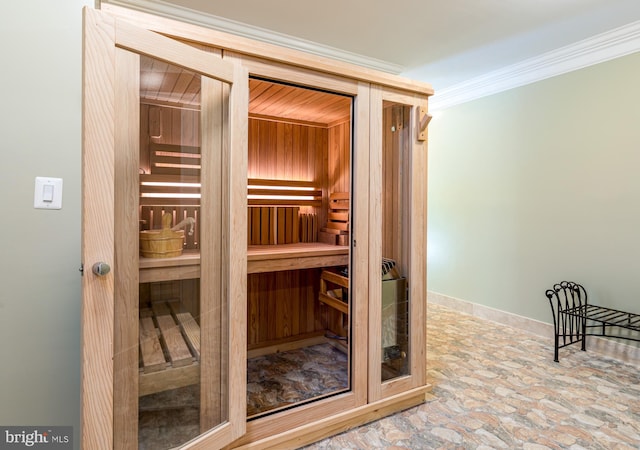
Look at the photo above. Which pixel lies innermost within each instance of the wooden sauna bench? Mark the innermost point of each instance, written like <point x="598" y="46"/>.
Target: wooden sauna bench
<point x="260" y="259"/>
<point x="308" y="255"/>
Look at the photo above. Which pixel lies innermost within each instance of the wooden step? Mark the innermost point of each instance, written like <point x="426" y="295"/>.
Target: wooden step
<point x="150" y="348"/>
<point x="169" y="348"/>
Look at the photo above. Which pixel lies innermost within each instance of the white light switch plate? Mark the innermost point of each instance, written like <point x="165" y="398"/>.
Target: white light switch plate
<point x="48" y="193"/>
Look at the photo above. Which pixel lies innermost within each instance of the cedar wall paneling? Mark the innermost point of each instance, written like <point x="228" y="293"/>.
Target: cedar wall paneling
<point x="339" y="161"/>
<point x="338" y="165"/>
<point x="282" y="305"/>
<point x="286" y="151"/>
<point x="289" y="151"/>
<point x="163" y="125"/>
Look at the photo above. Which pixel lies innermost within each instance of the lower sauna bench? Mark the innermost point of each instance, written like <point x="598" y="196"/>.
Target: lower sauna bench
<point x="169" y="348"/>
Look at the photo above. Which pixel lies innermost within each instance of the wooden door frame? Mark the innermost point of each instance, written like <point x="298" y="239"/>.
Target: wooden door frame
<point x="105" y="105"/>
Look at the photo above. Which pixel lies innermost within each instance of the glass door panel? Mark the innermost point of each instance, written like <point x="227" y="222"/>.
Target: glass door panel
<point x="299" y="191"/>
<point x="170" y="218"/>
<point x="398" y="215"/>
<point x="396" y="238"/>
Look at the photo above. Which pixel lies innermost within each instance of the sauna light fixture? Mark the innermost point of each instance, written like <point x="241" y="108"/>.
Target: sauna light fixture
<point x="281" y="191"/>
<point x="168" y="195"/>
<point x="280" y="197"/>
<point x="178" y="154"/>
<point x="177" y="166"/>
<point x="169" y="184"/>
<point x="283" y="188"/>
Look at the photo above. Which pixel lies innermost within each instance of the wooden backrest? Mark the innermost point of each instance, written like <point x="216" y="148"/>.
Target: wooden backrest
<point x="269" y="225"/>
<point x="265" y="192"/>
<point x="338" y="216"/>
<point x="274" y="211"/>
<point x="336" y="230"/>
<point x="274" y="205"/>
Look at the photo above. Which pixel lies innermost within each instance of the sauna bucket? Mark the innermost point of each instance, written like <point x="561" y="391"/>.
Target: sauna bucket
<point x="164" y="243"/>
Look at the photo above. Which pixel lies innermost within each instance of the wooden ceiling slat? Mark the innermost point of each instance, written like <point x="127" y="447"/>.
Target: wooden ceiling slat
<point x="266" y="99"/>
<point x="296" y="103"/>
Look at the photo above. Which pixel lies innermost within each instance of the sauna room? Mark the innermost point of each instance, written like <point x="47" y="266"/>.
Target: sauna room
<point x="257" y="247"/>
<point x="298" y="250"/>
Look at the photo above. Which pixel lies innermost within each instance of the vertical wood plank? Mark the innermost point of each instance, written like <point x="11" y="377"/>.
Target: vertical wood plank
<point x="375" y="242"/>
<point x="281" y="224"/>
<point x="127" y="109"/>
<point x="291" y="151"/>
<point x="272" y="285"/>
<point x="97" y="230"/>
<point x="190" y="297"/>
<point x="265" y="225"/>
<point x="212" y="366"/>
<point x="295" y="228"/>
<point x="253" y="145"/>
<point x="235" y="250"/>
<point x="253" y="309"/>
<point x="322" y="163"/>
<point x="310" y="158"/>
<point x="300" y="285"/>
<point x="303" y="154"/>
<point x="256" y="223"/>
<point x="418" y="287"/>
<point x="305" y="224"/>
<point x="272" y="148"/>
<point x="273" y="224"/>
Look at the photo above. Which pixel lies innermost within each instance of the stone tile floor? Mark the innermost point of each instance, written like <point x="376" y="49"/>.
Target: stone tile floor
<point x="170" y="418"/>
<point x="290" y="377"/>
<point x="495" y="387"/>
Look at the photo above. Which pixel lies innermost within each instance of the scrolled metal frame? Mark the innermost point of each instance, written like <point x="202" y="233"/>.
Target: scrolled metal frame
<point x="574" y="319"/>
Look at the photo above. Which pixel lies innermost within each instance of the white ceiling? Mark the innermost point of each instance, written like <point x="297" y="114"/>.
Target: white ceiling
<point x="444" y="42"/>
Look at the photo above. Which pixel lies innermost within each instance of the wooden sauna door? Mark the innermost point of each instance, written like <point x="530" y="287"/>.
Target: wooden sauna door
<point x="200" y="290"/>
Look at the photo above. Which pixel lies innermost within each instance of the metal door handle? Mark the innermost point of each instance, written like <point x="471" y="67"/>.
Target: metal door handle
<point x="101" y="269"/>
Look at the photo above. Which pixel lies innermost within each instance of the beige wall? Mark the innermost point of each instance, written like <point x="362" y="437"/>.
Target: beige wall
<point x="41" y="51"/>
<point x="536" y="185"/>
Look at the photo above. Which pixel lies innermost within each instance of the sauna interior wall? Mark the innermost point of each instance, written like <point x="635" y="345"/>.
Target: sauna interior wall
<point x="283" y="306"/>
<point x="166" y="125"/>
<point x="174" y="126"/>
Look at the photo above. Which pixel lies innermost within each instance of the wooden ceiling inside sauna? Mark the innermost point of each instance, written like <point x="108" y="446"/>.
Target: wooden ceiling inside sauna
<point x="164" y="84"/>
<point x="274" y="100"/>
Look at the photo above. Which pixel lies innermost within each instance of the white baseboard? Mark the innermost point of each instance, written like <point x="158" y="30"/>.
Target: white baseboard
<point x="605" y="347"/>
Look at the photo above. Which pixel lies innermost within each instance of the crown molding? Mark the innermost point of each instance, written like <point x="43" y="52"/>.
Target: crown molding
<point x="164" y="9"/>
<point x="603" y="47"/>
